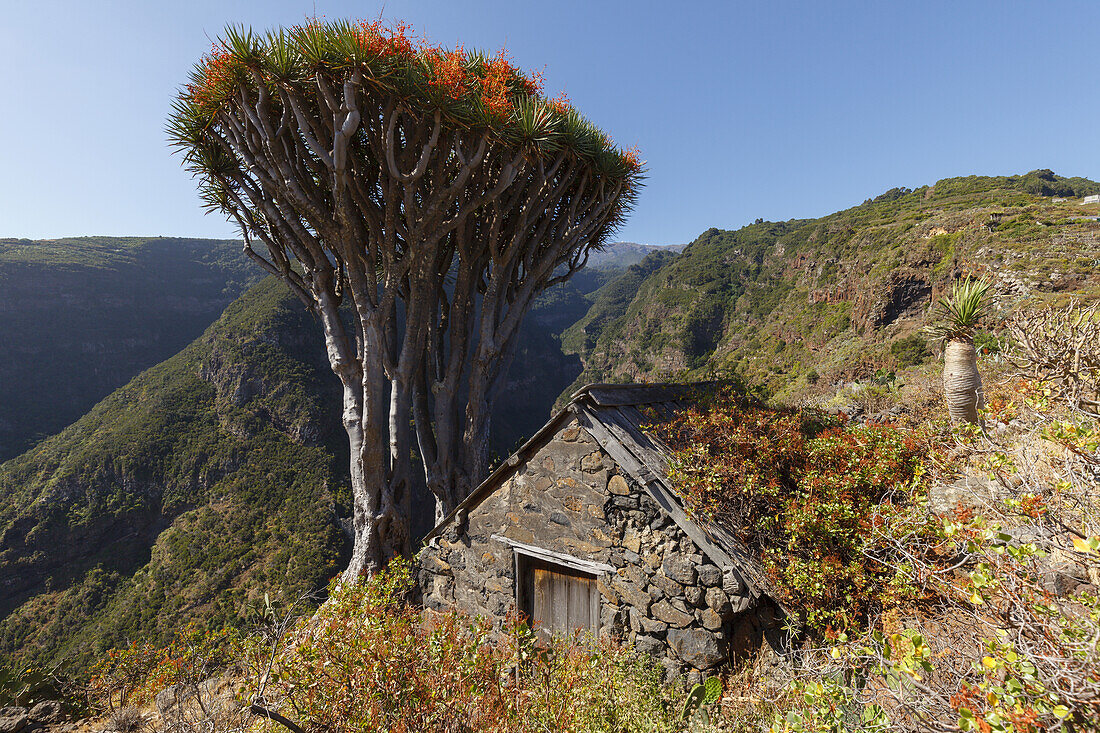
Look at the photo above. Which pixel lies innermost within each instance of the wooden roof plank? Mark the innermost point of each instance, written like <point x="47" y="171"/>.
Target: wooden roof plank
<point x="639" y="443"/>
<point x="612" y="395"/>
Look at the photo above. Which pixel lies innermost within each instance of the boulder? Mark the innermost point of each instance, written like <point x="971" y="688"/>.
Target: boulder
<point x="172" y="697"/>
<point x="47" y="711"/>
<point x="13" y="720"/>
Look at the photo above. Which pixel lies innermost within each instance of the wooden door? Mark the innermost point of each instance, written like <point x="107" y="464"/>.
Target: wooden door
<point x="558" y="599"/>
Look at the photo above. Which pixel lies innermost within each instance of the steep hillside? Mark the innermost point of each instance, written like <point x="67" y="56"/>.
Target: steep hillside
<point x="785" y="303"/>
<point x="80" y="317"/>
<point x="207" y="481"/>
<point x="211" y="480"/>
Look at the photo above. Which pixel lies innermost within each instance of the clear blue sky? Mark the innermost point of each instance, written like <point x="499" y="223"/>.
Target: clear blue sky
<point x="742" y="109"/>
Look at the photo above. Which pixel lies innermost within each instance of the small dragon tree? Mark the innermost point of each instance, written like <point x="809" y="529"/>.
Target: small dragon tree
<point x="958" y="318"/>
<point x="434" y="193"/>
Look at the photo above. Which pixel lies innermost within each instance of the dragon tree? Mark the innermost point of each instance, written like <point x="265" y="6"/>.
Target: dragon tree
<point x="417" y="200"/>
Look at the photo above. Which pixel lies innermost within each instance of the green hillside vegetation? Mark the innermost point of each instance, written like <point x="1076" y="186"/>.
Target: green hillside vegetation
<point x="211" y="480"/>
<point x="205" y="483"/>
<point x="217" y="476"/>
<point x="785" y="303"/>
<point x="82" y="316"/>
<point x="610" y="301"/>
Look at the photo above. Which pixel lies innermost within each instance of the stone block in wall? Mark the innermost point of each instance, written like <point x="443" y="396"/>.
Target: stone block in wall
<point x="660" y="522"/>
<point x="567" y="454"/>
<point x="611" y="617"/>
<point x="709" y="619"/>
<point x="457" y="559"/>
<point x="731" y="582"/>
<point x="709" y="575"/>
<point x="431" y="561"/>
<point x="606" y="590"/>
<point x="742" y="603"/>
<point x="617" y="485"/>
<point x="632" y="594"/>
<point x="667" y="584"/>
<point x="699" y="648"/>
<point x="719" y="602"/>
<point x="649" y="645"/>
<point x="634" y="574"/>
<point x="593" y="462"/>
<point x="680" y="569"/>
<point x="671" y="615"/>
<point x="695" y="596"/>
<point x="622" y="503"/>
<point x="498" y="604"/>
<point x="641" y="623"/>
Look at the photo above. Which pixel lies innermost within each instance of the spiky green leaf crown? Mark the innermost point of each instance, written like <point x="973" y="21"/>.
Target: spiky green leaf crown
<point x="470" y="90"/>
<point x="958" y="316"/>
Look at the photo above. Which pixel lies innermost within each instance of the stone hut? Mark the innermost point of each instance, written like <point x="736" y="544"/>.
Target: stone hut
<point x="580" y="529"/>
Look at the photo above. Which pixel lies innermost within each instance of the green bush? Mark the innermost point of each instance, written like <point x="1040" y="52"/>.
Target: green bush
<point x="910" y="351"/>
<point x="797" y="486"/>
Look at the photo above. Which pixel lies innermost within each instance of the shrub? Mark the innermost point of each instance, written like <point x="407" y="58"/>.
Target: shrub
<point x="1061" y="349"/>
<point x="128" y="720"/>
<point x="798" y="487"/>
<point x="1003" y="637"/>
<point x="369" y="661"/>
<point x="911" y="350"/>
<point x="132" y="676"/>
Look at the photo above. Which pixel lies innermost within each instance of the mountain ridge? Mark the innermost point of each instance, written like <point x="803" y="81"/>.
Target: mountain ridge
<point x="773" y="299"/>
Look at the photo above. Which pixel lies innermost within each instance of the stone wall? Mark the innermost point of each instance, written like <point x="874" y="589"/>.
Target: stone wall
<point x="665" y="596"/>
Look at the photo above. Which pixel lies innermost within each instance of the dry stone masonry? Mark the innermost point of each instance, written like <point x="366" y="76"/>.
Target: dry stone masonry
<point x="570" y="499"/>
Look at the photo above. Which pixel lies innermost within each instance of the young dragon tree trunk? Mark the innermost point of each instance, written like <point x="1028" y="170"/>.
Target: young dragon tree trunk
<point x="417" y="201"/>
<point x="962" y="384"/>
<point x="958" y="319"/>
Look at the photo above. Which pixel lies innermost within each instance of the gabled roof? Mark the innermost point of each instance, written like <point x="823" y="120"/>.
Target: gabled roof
<point x="617" y="416"/>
